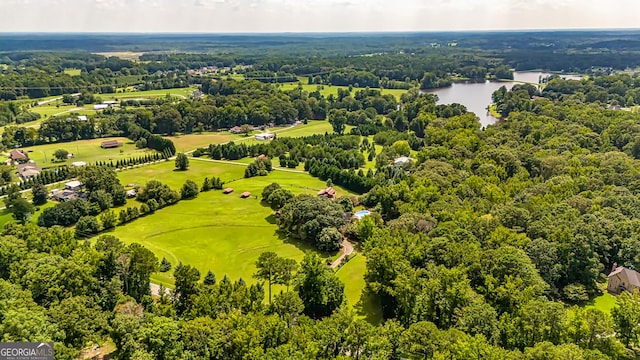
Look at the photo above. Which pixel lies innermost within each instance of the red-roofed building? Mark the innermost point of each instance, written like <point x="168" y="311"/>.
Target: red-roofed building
<point x="328" y="193"/>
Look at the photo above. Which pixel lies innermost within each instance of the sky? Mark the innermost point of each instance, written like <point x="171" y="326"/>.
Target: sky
<point x="233" y="16"/>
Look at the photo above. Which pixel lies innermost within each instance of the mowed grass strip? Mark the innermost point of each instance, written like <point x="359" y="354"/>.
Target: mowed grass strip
<point x="189" y="142"/>
<point x="215" y="231"/>
<point x="327" y="90"/>
<point x="85" y="150"/>
<point x="358" y="298"/>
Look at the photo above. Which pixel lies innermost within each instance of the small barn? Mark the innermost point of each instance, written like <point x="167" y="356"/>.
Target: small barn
<point x="227" y="191"/>
<point x="265" y="136"/>
<point x="235" y="130"/>
<point x="110" y="144"/>
<point x="245" y="194"/>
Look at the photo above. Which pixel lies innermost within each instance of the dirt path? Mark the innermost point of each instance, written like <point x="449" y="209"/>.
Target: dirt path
<point x="347" y="249"/>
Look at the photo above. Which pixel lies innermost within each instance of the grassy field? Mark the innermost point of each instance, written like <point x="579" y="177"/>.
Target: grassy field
<point x="604" y="303"/>
<point x="72" y="72"/>
<point x="84" y="150"/>
<point x="125" y="55"/>
<point x="220" y="232"/>
<point x="179" y="92"/>
<point x="327" y="90"/>
<point x="190" y="142"/>
<point x="7" y="217"/>
<point x="358" y="298"/>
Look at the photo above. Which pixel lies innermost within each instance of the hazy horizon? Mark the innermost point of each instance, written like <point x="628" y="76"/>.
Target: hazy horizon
<point x="313" y="16"/>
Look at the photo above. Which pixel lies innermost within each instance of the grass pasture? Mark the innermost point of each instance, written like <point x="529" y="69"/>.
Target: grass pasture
<point x="220" y="232"/>
<point x="84" y="150"/>
<point x="327" y="90"/>
<point x="124" y="55"/>
<point x="358" y="298"/>
<point x="190" y="142"/>
<point x="182" y="93"/>
<point x="73" y="72"/>
<point x="605" y="303"/>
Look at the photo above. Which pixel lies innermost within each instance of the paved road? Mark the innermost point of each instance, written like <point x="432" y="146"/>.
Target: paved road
<point x="347" y="249"/>
<point x="54" y="99"/>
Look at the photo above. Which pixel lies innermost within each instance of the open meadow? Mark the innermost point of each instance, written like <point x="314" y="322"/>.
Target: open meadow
<point x="85" y="150"/>
<point x="215" y="231"/>
<point x="327" y="90"/>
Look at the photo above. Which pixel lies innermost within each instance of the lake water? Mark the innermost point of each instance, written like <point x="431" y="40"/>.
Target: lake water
<point x="477" y="96"/>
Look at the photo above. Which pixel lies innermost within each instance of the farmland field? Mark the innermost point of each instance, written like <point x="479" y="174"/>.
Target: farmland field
<point x="85" y="150"/>
<point x="220" y="232"/>
<point x="72" y="72"/>
<point x="190" y="142"/>
<point x="327" y="90"/>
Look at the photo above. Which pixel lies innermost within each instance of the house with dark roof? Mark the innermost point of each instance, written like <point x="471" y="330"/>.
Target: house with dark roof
<point x="18" y="155"/>
<point x="622" y="279"/>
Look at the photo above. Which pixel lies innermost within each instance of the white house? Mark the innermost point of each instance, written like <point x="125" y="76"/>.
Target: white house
<point x="78" y="163"/>
<point x="82" y="118"/>
<point x="100" y="106"/>
<point x="265" y="136"/>
<point x="73" y="185"/>
<point x="402" y="161"/>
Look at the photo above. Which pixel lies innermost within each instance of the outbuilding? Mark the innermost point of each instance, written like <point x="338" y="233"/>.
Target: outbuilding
<point x="265" y="136"/>
<point x="73" y="185"/>
<point x="109" y="144"/>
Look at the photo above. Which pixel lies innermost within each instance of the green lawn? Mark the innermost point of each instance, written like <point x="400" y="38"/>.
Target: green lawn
<point x="85" y="150"/>
<point x="327" y="90"/>
<point x="166" y="173"/>
<point x="190" y="142"/>
<point x="7" y="217"/>
<point x="604" y="302"/>
<point x="179" y="92"/>
<point x="72" y="72"/>
<point x="220" y="232"/>
<point x="362" y="301"/>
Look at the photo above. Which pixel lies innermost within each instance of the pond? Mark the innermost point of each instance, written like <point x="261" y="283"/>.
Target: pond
<point x="477" y="96"/>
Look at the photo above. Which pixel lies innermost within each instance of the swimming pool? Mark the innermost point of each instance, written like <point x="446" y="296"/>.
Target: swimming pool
<point x="362" y="213"/>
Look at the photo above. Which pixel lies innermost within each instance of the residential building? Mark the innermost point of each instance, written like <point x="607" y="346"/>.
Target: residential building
<point x="73" y="185"/>
<point x="402" y="161"/>
<point x="622" y="279"/>
<point x="28" y="170"/>
<point x="18" y="156"/>
<point x="329" y="192"/>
